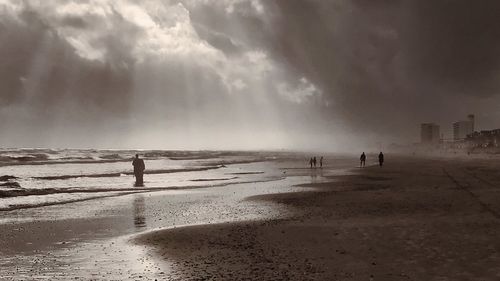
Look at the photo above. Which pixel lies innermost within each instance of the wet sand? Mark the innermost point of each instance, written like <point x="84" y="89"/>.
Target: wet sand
<point x="413" y="219"/>
<point x="90" y="240"/>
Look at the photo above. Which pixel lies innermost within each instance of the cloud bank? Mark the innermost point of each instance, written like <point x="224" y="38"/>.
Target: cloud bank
<point x="242" y="73"/>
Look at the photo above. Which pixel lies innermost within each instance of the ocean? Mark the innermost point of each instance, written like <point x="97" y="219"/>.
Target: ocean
<point x="41" y="177"/>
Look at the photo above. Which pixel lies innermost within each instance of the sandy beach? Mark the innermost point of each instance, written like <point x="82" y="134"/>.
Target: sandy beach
<point x="412" y="219"/>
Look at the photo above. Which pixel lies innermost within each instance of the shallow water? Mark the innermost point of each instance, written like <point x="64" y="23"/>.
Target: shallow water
<point x="55" y="179"/>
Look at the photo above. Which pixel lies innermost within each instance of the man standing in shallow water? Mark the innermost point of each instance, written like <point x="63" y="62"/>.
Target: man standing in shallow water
<point x="139" y="168"/>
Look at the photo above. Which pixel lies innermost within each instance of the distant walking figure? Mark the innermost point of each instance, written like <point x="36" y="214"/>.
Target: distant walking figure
<point x="321" y="162"/>
<point x="362" y="160"/>
<point x="311" y="162"/>
<point x="381" y="159"/>
<point x="138" y="169"/>
<point x="314" y="161"/>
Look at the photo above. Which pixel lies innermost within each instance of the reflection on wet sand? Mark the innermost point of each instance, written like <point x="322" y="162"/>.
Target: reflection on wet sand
<point x="139" y="210"/>
<point x="314" y="176"/>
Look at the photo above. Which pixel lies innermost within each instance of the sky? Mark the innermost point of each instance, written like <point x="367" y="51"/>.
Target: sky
<point x="244" y="74"/>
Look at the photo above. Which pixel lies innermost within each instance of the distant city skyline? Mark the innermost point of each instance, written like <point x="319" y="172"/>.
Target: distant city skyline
<point x="456" y="130"/>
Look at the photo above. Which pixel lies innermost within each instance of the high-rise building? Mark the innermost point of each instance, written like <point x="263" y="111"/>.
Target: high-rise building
<point x="472" y="118"/>
<point x="429" y="133"/>
<point x="462" y="128"/>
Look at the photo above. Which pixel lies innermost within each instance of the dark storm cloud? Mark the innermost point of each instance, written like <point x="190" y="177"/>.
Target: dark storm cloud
<point x="42" y="70"/>
<point x="344" y="48"/>
<point x="230" y="32"/>
<point x="385" y="66"/>
<point x="455" y="44"/>
<point x="349" y="50"/>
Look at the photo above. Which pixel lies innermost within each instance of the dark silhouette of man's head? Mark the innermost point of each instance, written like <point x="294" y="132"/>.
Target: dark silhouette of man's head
<point x="137" y="156"/>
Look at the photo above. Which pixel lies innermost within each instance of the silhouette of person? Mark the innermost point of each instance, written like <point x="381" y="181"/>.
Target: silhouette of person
<point x="314" y="161"/>
<point x="321" y="162"/>
<point x="362" y="160"/>
<point x="311" y="162"/>
<point x="381" y="159"/>
<point x="139" y="168"/>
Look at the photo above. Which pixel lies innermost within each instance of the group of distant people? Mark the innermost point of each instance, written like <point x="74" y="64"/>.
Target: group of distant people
<point x="312" y="162"/>
<point x="139" y="166"/>
<point x="362" y="159"/>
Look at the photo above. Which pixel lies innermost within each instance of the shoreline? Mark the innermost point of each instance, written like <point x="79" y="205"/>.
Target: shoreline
<point x="30" y="193"/>
<point x="84" y="236"/>
<point x="108" y="193"/>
